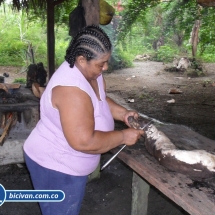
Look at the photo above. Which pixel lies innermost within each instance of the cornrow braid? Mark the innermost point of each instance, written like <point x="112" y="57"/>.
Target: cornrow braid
<point x="89" y="42"/>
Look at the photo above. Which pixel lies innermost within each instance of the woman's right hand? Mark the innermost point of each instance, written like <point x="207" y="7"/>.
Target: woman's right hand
<point x="131" y="135"/>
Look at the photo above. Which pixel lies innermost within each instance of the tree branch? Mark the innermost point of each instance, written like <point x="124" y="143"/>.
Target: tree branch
<point x="58" y="2"/>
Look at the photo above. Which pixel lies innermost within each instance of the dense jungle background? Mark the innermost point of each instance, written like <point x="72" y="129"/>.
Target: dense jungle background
<point x="164" y="30"/>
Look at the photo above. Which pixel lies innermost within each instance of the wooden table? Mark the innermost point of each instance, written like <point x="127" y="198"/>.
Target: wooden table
<point x="195" y="196"/>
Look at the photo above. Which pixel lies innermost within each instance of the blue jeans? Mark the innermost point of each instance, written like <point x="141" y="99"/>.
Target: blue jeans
<point x="47" y="179"/>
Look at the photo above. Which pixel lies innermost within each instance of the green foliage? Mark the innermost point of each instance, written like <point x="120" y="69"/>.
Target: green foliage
<point x="145" y="22"/>
<point x="63" y="10"/>
<point x="208" y="55"/>
<point x="119" y="59"/>
<point x="165" y="54"/>
<point x="207" y="31"/>
<point x="20" y="80"/>
<point x="180" y="16"/>
<point x="141" y="24"/>
<point x="135" y="10"/>
<point x="18" y="33"/>
<point x="61" y="46"/>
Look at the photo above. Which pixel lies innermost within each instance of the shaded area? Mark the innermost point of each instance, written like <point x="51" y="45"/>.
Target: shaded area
<point x="111" y="194"/>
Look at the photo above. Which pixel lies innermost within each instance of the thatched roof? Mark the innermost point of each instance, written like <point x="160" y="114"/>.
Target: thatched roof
<point x="33" y="4"/>
<point x="26" y="4"/>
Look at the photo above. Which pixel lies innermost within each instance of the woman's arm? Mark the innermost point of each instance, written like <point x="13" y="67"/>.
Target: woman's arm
<point x="77" y="119"/>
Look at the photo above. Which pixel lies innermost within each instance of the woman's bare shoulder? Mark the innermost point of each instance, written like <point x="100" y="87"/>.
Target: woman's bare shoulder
<point x="69" y="95"/>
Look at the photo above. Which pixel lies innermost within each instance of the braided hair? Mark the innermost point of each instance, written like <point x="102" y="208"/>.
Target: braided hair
<point x="89" y="42"/>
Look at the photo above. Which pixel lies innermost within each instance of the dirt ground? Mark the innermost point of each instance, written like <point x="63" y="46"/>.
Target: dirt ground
<point x="148" y="84"/>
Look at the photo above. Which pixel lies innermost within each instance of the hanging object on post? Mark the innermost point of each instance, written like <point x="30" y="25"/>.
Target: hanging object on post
<point x="76" y="20"/>
<point x="106" y="13"/>
<point x="206" y="3"/>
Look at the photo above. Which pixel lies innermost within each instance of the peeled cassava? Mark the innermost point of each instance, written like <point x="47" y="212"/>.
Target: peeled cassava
<point x="106" y="13"/>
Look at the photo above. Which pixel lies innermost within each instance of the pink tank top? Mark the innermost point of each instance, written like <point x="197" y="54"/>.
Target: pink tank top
<point x="46" y="144"/>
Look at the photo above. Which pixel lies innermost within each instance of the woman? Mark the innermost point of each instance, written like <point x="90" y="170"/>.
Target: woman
<point x="77" y="123"/>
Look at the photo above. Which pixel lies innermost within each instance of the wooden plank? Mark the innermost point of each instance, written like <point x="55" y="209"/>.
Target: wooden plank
<point x="20" y="106"/>
<point x="6" y="128"/>
<point x="179" y="188"/>
<point x="140" y="191"/>
<point x="12" y="150"/>
<point x="50" y="38"/>
<point x="13" y="86"/>
<point x="196" y="200"/>
<point x="95" y="174"/>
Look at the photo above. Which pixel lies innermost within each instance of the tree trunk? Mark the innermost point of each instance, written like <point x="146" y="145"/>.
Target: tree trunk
<point x="195" y="37"/>
<point x="50" y="38"/>
<point x="91" y="8"/>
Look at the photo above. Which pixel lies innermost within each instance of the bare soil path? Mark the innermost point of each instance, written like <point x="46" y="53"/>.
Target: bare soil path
<point x="148" y="84"/>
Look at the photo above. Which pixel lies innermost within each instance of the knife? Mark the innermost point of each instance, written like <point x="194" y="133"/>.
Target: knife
<point x="121" y="149"/>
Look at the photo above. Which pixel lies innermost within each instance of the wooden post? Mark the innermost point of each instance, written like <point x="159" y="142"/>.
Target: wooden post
<point x="95" y="174"/>
<point x="50" y="38"/>
<point x="91" y="8"/>
<point x="195" y="37"/>
<point x="140" y="191"/>
<point x="5" y="132"/>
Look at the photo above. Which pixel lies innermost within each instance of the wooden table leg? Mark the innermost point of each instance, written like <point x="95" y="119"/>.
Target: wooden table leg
<point x="140" y="191"/>
<point x="95" y="174"/>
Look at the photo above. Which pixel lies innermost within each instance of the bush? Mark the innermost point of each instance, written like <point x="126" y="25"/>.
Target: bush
<point x="208" y="57"/>
<point x="20" y="80"/>
<point x="208" y="54"/>
<point x="165" y="54"/>
<point x="119" y="60"/>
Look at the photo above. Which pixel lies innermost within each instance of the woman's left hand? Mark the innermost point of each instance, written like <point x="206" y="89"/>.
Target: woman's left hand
<point x="130" y="113"/>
